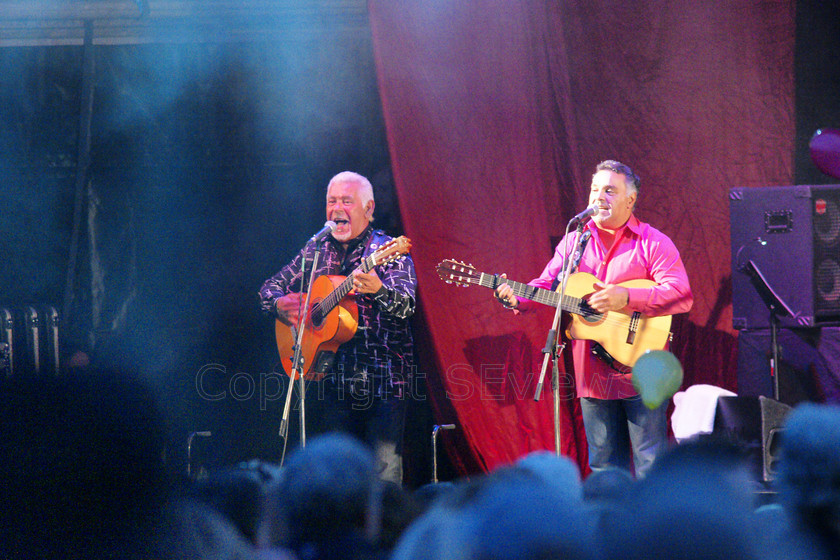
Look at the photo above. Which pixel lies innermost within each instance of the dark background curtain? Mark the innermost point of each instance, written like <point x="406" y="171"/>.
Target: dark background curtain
<point x="209" y="166"/>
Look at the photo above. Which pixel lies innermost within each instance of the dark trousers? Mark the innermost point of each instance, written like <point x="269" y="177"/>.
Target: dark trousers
<point x="363" y="409"/>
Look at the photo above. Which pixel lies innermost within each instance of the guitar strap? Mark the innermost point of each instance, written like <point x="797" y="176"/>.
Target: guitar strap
<point x="584" y="239"/>
<point x="576" y="256"/>
<point x="599" y="352"/>
<point x="377" y="239"/>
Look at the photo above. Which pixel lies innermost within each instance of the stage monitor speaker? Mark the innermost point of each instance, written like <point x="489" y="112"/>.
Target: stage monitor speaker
<point x="791" y="235"/>
<point x="754" y="424"/>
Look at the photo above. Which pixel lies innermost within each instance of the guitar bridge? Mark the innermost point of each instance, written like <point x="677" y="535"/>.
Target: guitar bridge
<point x="634" y="327"/>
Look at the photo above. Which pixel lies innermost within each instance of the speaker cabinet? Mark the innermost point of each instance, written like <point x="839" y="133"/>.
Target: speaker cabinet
<point x="809" y="364"/>
<point x="791" y="236"/>
<point x="754" y="424"/>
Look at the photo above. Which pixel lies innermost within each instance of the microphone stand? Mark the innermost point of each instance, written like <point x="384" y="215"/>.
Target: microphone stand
<point x="297" y="362"/>
<point x="551" y="351"/>
<point x="778" y="308"/>
<point x="435" y="431"/>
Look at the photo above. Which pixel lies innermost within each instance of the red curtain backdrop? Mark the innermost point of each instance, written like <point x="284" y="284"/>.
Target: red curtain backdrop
<point x="497" y="112"/>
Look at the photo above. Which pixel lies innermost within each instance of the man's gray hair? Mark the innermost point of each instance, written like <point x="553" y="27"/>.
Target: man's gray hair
<point x="366" y="190"/>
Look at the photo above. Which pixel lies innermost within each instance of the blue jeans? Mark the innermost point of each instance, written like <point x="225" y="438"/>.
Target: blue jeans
<point x="613" y="427"/>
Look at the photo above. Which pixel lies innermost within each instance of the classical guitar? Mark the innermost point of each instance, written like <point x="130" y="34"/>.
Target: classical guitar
<point x="625" y="336"/>
<point x="332" y="318"/>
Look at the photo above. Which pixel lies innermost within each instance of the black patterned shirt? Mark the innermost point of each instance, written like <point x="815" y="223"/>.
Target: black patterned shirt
<point x="383" y="346"/>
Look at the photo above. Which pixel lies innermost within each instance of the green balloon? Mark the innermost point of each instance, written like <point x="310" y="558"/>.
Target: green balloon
<point x="657" y="375"/>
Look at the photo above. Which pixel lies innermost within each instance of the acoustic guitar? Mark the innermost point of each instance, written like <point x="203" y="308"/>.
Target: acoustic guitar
<point x="332" y="319"/>
<point x="624" y="335"/>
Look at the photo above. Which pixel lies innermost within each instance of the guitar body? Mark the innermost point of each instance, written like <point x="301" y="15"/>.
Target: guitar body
<point x="319" y="337"/>
<point x="613" y="329"/>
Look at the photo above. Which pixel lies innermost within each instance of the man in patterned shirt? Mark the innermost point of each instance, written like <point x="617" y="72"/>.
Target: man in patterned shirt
<point x="364" y="393"/>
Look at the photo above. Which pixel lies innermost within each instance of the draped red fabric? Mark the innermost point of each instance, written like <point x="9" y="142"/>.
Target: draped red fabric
<point x="497" y="112"/>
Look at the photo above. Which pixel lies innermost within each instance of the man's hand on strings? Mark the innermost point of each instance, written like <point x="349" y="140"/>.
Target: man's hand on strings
<point x="504" y="293"/>
<point x="289" y="308"/>
<point x="366" y="283"/>
<point x="609" y="297"/>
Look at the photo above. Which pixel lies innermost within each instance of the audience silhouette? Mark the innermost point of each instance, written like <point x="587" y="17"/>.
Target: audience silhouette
<point x="84" y="472"/>
<point x="809" y="483"/>
<point x="82" y="465"/>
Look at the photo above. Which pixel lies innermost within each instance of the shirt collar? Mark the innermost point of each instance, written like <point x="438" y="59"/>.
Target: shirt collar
<point x="354" y="243"/>
<point x="633" y="224"/>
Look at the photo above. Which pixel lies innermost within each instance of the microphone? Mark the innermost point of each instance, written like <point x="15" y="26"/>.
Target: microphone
<point x="328" y="228"/>
<point x="586" y="213"/>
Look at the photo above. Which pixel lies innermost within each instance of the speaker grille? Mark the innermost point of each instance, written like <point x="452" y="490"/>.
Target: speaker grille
<point x="826" y="220"/>
<point x="792" y="236"/>
<point x="826" y="223"/>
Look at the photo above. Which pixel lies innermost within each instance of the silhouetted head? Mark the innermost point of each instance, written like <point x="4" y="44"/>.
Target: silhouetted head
<point x="508" y="515"/>
<point x="323" y="494"/>
<point x="609" y="485"/>
<point x="809" y="470"/>
<point x="694" y="504"/>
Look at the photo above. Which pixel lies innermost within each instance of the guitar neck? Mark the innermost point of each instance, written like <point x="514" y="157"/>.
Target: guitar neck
<point x="335" y="297"/>
<point x="540" y="295"/>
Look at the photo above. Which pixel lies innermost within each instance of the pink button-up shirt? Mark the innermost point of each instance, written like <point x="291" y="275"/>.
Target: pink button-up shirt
<point x="638" y="252"/>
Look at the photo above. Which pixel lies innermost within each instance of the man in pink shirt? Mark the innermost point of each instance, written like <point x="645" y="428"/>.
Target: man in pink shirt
<point x="621" y="248"/>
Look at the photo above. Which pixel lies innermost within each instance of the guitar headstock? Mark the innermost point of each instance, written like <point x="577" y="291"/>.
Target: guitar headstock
<point x="392" y="250"/>
<point x="458" y="273"/>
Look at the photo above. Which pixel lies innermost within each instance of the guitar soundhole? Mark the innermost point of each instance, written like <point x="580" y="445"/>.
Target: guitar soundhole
<point x="317" y="316"/>
<point x="590" y="315"/>
<point x="317" y="319"/>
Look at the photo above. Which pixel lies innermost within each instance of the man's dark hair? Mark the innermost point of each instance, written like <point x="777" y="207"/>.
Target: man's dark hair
<point x="633" y="181"/>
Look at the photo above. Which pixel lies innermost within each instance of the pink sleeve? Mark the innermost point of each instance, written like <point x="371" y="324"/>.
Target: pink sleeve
<point x="546" y="279"/>
<point x="672" y="294"/>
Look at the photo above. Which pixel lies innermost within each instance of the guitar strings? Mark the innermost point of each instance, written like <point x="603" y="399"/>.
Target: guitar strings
<point x="332" y="300"/>
<point x="570" y="303"/>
